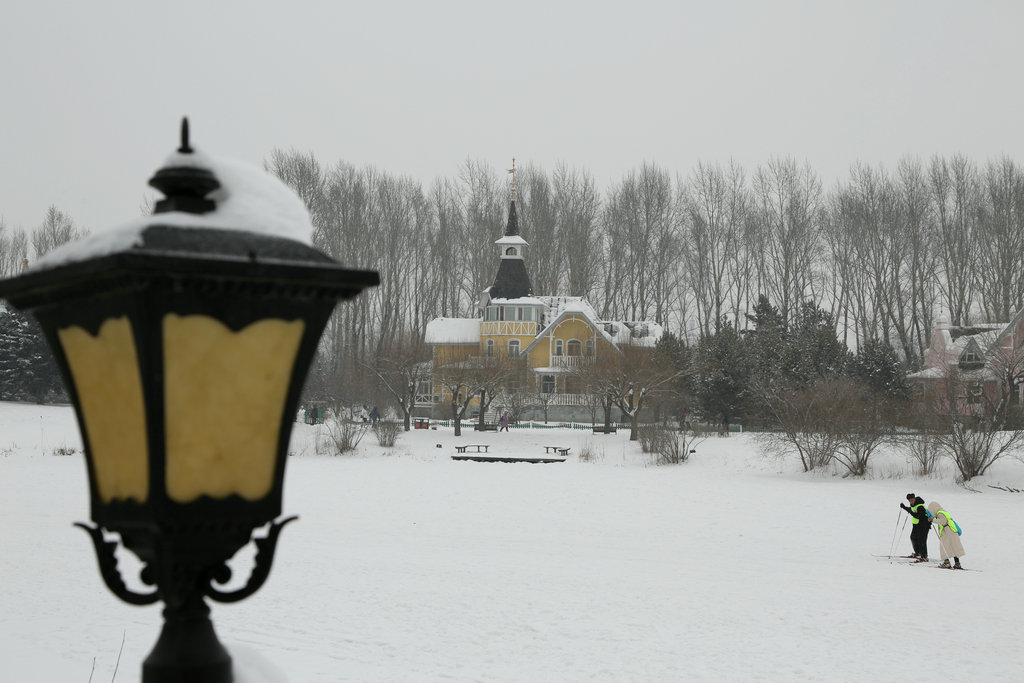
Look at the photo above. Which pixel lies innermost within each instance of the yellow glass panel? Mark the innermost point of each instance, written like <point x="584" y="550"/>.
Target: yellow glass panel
<point x="225" y="394"/>
<point x="105" y="370"/>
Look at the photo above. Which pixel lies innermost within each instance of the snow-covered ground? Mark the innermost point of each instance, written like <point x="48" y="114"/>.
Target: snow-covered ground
<point x="408" y="566"/>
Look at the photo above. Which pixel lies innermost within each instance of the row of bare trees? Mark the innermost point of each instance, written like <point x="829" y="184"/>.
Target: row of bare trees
<point x="16" y="245"/>
<point x="882" y="251"/>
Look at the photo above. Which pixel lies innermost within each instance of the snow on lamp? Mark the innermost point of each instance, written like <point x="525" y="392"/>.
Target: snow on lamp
<point x="184" y="339"/>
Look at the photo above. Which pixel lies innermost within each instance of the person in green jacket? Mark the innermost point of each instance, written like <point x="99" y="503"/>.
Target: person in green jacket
<point x="921" y="526"/>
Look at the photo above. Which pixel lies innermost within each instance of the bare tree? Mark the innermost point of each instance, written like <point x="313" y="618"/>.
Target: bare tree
<point x="13" y="250"/>
<point x="714" y="205"/>
<point x="400" y="373"/>
<point x="954" y="188"/>
<point x="56" y="229"/>
<point x="577" y="205"/>
<point x="1001" y="240"/>
<point x="788" y="219"/>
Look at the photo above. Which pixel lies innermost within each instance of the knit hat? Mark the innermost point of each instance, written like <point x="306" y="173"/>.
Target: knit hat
<point x="911" y="496"/>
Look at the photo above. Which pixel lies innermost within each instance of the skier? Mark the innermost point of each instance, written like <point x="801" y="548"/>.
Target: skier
<point x="921" y="526"/>
<point x="949" y="536"/>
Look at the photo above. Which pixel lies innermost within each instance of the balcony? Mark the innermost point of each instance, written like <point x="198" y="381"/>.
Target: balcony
<point x="571" y="362"/>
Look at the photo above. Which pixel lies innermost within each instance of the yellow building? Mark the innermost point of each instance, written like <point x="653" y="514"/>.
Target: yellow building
<point x="544" y="343"/>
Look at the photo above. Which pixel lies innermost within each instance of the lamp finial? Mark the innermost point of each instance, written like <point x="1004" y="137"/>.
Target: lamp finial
<point x="185" y="148"/>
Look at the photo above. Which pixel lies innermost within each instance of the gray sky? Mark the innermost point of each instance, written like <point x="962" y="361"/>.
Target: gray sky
<point x="92" y="92"/>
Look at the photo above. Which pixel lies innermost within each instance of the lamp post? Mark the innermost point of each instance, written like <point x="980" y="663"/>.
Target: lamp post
<point x="184" y="341"/>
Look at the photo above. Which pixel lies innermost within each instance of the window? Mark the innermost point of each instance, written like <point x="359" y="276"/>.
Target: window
<point x="490" y="348"/>
<point x="574" y="348"/>
<point x="492" y="312"/>
<point x="526" y="313"/>
<point x="547" y="384"/>
<point x="511" y="251"/>
<point x="513" y="348"/>
<point x="558" y="347"/>
<point x="589" y="349"/>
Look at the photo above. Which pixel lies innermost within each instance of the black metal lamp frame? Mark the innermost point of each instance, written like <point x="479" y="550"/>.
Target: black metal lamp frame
<point x="237" y="278"/>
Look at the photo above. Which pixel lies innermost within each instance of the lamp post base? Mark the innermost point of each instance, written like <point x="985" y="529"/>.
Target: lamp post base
<point x="188" y="650"/>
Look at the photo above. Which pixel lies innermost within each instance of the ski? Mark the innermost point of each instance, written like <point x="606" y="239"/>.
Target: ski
<point x="958" y="569"/>
<point x="897" y="557"/>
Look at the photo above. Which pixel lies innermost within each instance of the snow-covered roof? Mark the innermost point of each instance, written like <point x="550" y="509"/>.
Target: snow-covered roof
<point x="576" y="304"/>
<point x="512" y="240"/>
<point x="453" y="331"/>
<point x="521" y="301"/>
<point x="249" y="200"/>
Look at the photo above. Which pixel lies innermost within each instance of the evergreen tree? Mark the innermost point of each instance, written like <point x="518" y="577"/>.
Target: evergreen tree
<point x="813" y="350"/>
<point x="672" y="351"/>
<point x="878" y="367"/>
<point x="723" y="375"/>
<point x="27" y="369"/>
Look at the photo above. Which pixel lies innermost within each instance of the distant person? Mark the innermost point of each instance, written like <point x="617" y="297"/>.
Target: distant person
<point x="949" y="536"/>
<point x="374" y="415"/>
<point x="921" y="526"/>
<point x="504" y="422"/>
<point x="363" y="414"/>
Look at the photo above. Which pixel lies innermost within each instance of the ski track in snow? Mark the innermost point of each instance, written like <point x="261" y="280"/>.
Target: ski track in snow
<point x="408" y="566"/>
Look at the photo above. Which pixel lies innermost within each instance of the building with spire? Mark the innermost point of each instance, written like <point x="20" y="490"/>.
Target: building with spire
<point x="552" y="339"/>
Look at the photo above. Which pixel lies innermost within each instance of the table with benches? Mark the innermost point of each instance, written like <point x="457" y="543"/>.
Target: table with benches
<point x="564" y="452"/>
<point x="477" y="448"/>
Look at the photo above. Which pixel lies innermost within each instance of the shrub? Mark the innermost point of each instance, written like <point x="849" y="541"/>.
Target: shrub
<point x="343" y="436"/>
<point x="588" y="454"/>
<point x="923" y="450"/>
<point x="652" y="437"/>
<point x="386" y="432"/>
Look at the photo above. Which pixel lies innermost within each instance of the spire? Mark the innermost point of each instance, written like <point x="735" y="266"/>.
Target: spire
<point x="512" y="183"/>
<point x="512" y="280"/>
<point x="512" y="227"/>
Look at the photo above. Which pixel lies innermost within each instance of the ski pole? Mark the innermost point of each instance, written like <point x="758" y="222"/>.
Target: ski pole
<point x="892" y="546"/>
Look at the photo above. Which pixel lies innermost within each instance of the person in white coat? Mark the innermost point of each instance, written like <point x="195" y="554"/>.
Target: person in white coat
<point x="949" y="536"/>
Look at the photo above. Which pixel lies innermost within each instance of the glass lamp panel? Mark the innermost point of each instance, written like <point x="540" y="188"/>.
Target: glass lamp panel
<point x="105" y="371"/>
<point x="225" y="393"/>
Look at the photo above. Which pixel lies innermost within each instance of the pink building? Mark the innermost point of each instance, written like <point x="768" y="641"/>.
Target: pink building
<point x="977" y="365"/>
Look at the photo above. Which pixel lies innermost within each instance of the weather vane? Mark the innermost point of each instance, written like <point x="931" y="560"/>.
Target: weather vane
<point x="513" y="183"/>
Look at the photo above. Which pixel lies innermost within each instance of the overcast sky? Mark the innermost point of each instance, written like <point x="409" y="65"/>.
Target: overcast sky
<point x="92" y="92"/>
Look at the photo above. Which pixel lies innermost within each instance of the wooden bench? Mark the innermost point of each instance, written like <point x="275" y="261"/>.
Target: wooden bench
<point x="509" y="458"/>
<point x="600" y="429"/>
<point x="485" y="428"/>
<point x="477" y="448"/>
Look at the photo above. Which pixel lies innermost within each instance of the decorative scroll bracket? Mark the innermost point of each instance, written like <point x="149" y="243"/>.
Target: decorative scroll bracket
<point x="265" y="548"/>
<point x="108" y="568"/>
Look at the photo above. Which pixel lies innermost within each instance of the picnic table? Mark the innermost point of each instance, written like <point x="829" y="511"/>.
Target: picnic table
<point x="557" y="449"/>
<point x="475" y="446"/>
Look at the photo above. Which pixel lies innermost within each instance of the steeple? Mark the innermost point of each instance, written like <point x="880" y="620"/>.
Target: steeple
<point x="512" y="280"/>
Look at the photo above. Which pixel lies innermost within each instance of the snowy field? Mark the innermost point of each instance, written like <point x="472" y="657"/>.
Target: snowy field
<point x="408" y="566"/>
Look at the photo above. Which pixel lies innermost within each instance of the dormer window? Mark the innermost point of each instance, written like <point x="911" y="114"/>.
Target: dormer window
<point x="511" y="251"/>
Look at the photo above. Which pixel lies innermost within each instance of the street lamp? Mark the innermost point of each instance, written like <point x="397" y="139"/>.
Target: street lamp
<point x="184" y="340"/>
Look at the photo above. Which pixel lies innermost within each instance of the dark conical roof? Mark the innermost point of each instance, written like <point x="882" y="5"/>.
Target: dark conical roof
<point x="512" y="228"/>
<point x="512" y="281"/>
